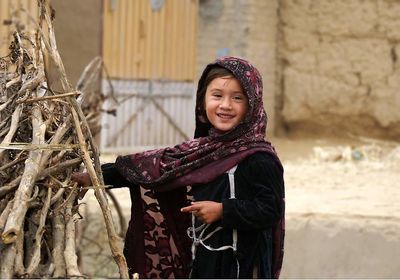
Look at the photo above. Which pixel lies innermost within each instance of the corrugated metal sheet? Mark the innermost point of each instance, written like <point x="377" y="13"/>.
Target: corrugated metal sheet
<point x="150" y="114"/>
<point x="23" y="10"/>
<point x="142" y="43"/>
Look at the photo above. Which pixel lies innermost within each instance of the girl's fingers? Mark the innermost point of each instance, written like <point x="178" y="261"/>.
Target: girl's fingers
<point x="187" y="209"/>
<point x="194" y="207"/>
<point x="83" y="179"/>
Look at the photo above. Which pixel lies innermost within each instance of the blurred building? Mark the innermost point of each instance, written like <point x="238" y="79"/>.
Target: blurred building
<point x="329" y="67"/>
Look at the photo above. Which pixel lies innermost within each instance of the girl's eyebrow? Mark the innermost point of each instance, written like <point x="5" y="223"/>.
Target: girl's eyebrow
<point x="218" y="89"/>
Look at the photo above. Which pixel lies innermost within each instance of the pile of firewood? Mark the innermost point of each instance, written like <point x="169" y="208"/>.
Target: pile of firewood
<point x="44" y="137"/>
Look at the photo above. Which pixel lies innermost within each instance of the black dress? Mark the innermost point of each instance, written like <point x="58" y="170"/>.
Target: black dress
<point x="258" y="189"/>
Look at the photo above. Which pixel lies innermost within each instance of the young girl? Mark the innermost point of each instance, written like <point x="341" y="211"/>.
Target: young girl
<point x="236" y="219"/>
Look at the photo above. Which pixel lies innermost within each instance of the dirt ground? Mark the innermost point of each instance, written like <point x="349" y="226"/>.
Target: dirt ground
<point x="341" y="176"/>
<point x="341" y="206"/>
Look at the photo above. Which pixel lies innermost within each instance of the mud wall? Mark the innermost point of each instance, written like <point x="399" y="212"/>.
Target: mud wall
<point x="78" y="29"/>
<point x="245" y="28"/>
<point x="330" y="246"/>
<point x="340" y="67"/>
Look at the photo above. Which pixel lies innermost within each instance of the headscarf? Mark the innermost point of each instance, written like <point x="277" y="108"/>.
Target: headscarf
<point x="164" y="174"/>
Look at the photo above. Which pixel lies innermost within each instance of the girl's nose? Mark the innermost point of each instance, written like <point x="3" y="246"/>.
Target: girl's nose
<point x="225" y="104"/>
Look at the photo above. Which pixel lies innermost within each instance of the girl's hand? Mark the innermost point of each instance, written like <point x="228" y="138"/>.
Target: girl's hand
<point x="207" y="211"/>
<point x="83" y="180"/>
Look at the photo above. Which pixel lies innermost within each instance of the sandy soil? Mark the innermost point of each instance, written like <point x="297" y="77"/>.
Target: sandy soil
<point x="339" y="177"/>
<point x="356" y="179"/>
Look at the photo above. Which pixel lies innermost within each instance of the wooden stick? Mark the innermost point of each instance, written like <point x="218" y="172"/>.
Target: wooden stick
<point x="13" y="128"/>
<point x="56" y="139"/>
<point x="19" y="268"/>
<point x="83" y="81"/>
<point x="61" y="167"/>
<point x="58" y="231"/>
<point x="16" y="160"/>
<point x="57" y="196"/>
<point x="7" y="262"/>
<point x="23" y="193"/>
<point x="5" y="104"/>
<point x="33" y="83"/>
<point x="63" y="95"/>
<point x="4" y="190"/>
<point x="32" y="220"/>
<point x="35" y="258"/>
<point x="32" y="147"/>
<point x="71" y="259"/>
<point x="12" y="82"/>
<point x="59" y="156"/>
<point x="3" y="124"/>
<point x="4" y="214"/>
<point x="122" y="221"/>
<point x="114" y="240"/>
<point x="48" y="171"/>
<point x="4" y="203"/>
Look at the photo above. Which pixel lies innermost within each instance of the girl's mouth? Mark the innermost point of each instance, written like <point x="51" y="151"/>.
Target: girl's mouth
<point x="225" y="116"/>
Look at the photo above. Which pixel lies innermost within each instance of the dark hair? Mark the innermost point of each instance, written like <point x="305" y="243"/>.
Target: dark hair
<point x="215" y="72"/>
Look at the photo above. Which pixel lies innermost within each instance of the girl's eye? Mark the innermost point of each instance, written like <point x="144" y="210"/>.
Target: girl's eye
<point x="238" y="98"/>
<point x="216" y="95"/>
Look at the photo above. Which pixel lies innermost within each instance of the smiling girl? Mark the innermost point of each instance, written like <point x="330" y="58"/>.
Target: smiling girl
<point x="234" y="177"/>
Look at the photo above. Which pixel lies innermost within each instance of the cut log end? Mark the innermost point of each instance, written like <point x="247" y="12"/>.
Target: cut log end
<point x="9" y="236"/>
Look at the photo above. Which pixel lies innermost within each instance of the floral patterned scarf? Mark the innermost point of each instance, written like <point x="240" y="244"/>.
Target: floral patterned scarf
<point x="156" y="244"/>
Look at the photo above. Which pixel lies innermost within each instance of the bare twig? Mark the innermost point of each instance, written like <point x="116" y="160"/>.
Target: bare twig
<point x="63" y="95"/>
<point x="16" y="160"/>
<point x="32" y="147"/>
<point x="122" y="221"/>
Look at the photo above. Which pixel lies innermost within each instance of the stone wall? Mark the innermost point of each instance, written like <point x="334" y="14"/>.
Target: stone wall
<point x="245" y="28"/>
<point x="340" y="66"/>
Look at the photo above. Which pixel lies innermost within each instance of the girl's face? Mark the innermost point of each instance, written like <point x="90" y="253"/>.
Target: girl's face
<point x="226" y="104"/>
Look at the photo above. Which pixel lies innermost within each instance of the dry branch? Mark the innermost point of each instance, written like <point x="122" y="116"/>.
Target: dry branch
<point x="7" y="262"/>
<point x="63" y="95"/>
<point x="13" y="128"/>
<point x="19" y="268"/>
<point x="71" y="259"/>
<point x="58" y="232"/>
<point x="4" y="214"/>
<point x="35" y="258"/>
<point x="23" y="193"/>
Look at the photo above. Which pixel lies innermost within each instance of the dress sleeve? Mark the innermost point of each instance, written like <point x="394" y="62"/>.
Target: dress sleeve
<point x="112" y="177"/>
<point x="265" y="179"/>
